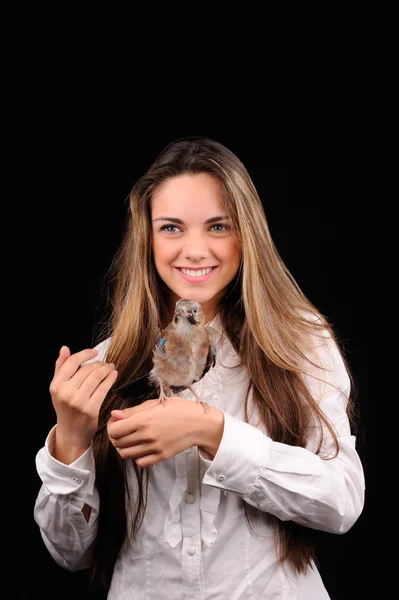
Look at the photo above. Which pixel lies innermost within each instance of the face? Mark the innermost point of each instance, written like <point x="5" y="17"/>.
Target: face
<point x="194" y="247"/>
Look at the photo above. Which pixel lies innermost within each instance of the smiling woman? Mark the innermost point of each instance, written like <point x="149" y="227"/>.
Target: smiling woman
<point x="194" y="244"/>
<point x="168" y="500"/>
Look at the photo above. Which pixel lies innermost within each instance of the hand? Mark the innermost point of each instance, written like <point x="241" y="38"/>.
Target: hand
<point x="77" y="391"/>
<point x="150" y="433"/>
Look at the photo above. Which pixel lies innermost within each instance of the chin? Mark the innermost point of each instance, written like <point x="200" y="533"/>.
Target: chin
<point x="197" y="297"/>
<point x="201" y="296"/>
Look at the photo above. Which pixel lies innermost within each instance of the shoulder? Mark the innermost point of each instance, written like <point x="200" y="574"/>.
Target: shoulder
<point x="323" y="356"/>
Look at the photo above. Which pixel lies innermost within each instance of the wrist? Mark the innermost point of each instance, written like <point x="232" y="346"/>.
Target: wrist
<point x="65" y="448"/>
<point x="212" y="426"/>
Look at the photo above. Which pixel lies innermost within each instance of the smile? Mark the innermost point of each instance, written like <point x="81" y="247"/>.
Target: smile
<point x="196" y="272"/>
<point x="196" y="275"/>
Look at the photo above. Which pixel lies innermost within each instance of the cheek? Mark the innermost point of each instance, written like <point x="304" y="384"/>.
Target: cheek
<point x="161" y="252"/>
<point x="156" y="254"/>
<point x="232" y="255"/>
<point x="156" y="249"/>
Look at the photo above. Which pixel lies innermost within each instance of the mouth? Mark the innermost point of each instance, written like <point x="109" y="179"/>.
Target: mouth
<point x="196" y="275"/>
<point x="196" y="272"/>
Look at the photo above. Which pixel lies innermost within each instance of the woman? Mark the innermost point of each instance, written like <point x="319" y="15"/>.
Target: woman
<point x="166" y="500"/>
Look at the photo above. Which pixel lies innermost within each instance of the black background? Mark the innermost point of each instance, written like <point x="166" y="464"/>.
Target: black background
<point x="81" y="121"/>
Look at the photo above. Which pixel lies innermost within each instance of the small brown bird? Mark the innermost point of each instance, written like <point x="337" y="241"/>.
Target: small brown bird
<point x="184" y="353"/>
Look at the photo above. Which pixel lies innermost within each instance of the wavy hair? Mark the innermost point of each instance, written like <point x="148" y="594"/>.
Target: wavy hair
<point x="266" y="316"/>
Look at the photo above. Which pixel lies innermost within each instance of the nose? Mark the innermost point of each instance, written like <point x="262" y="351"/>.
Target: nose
<point x="195" y="247"/>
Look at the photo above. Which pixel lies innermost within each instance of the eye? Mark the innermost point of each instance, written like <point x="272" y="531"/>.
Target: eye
<point x="170" y="228"/>
<point x="220" y="227"/>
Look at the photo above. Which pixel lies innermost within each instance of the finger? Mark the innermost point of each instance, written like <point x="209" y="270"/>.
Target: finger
<point x="131" y="439"/>
<point x="137" y="452"/>
<point x="133" y="410"/>
<point x="86" y="374"/>
<point x="117" y="415"/>
<point x="64" y="353"/>
<point x="120" y="428"/>
<point x="148" y="460"/>
<point x="142" y="457"/>
<point x="98" y="395"/>
<point x="69" y="366"/>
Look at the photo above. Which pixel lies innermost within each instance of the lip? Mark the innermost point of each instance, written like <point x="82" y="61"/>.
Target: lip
<point x="195" y="279"/>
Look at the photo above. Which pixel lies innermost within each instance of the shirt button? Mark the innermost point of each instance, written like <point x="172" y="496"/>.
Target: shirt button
<point x="221" y="478"/>
<point x="191" y="550"/>
<point x="76" y="479"/>
<point x="190" y="499"/>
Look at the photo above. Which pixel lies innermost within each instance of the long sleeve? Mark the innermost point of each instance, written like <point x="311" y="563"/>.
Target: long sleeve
<point x="295" y="483"/>
<point x="64" y="491"/>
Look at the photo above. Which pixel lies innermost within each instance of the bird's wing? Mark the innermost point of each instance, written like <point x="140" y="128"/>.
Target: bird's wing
<point x="171" y="344"/>
<point x="161" y="343"/>
<point x="213" y="350"/>
<point x="210" y="360"/>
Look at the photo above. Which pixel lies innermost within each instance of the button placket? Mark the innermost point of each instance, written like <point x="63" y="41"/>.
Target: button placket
<point x="193" y="578"/>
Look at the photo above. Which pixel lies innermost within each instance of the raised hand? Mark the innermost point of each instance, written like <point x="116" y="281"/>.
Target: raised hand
<point x="77" y="392"/>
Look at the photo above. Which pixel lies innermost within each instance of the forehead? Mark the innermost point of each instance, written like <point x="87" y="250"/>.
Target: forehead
<point x="186" y="196"/>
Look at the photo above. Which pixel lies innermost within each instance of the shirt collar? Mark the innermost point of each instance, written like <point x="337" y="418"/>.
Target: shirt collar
<point x="215" y="324"/>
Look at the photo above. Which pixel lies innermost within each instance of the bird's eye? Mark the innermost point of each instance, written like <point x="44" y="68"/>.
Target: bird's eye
<point x="195" y="309"/>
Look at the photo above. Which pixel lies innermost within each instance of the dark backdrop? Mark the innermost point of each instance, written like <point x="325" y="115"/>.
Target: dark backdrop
<point x="80" y="128"/>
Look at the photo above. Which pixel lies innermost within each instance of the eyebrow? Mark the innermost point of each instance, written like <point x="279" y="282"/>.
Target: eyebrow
<point x="180" y="222"/>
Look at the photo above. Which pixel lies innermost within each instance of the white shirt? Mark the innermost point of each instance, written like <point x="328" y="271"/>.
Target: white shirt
<point x="195" y="543"/>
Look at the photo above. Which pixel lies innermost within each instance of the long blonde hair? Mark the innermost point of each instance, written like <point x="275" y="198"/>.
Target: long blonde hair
<point x="268" y="319"/>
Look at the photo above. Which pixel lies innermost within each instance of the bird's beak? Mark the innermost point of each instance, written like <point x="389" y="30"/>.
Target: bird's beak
<point x="187" y="315"/>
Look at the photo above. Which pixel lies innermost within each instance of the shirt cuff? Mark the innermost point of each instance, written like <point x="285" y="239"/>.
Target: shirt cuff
<point x="77" y="477"/>
<point x="242" y="451"/>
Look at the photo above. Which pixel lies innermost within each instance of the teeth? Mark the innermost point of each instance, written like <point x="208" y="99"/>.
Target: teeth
<point x="196" y="273"/>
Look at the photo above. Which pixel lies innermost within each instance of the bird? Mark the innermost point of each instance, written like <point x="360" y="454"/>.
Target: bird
<point x="184" y="353"/>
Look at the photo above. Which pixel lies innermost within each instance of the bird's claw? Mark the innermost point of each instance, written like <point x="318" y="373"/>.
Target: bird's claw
<point x="162" y="400"/>
<point x="204" y="404"/>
